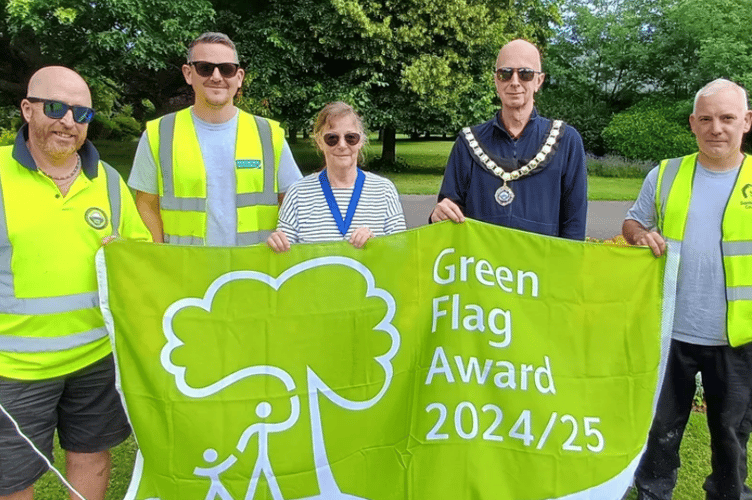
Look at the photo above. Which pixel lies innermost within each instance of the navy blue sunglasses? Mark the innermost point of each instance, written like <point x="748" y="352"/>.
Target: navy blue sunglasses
<point x="56" y="110"/>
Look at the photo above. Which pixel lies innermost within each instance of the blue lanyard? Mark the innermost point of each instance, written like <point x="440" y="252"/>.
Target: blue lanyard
<point x="342" y="225"/>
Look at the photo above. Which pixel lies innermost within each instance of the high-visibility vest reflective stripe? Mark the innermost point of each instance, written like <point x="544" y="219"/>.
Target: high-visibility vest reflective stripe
<point x="673" y="196"/>
<point x="51" y="344"/>
<point x="183" y="194"/>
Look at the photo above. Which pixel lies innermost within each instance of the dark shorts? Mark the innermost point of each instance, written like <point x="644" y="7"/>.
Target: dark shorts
<point x="84" y="407"/>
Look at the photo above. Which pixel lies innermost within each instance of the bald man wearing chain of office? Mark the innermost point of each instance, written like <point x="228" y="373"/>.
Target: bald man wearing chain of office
<point x="519" y="169"/>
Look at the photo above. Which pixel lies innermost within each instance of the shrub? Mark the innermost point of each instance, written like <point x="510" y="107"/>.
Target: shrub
<point x="120" y="126"/>
<point x="588" y="115"/>
<point x="7" y="137"/>
<point x="616" y="166"/>
<point x="148" y="107"/>
<point x="101" y="127"/>
<point x="652" y="131"/>
<point x="10" y="118"/>
<point x="382" y="165"/>
<point x="128" y="126"/>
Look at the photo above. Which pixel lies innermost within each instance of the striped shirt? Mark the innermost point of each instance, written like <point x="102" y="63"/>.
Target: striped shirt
<point x="305" y="217"/>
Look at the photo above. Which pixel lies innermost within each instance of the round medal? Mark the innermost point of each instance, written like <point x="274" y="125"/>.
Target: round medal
<point x="504" y="195"/>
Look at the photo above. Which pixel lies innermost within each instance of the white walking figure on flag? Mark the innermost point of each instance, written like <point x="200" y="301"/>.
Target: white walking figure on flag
<point x="263" y="464"/>
<point x="217" y="489"/>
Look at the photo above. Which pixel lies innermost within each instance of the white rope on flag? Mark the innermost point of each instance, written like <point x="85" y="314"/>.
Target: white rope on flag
<point x="49" y="464"/>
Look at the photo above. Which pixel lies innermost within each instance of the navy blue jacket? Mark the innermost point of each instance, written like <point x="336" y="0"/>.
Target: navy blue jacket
<point x="551" y="200"/>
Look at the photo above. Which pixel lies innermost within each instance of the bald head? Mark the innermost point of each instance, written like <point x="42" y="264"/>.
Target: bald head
<point x="55" y="140"/>
<point x="61" y="84"/>
<point x="519" y="50"/>
<point x="517" y="94"/>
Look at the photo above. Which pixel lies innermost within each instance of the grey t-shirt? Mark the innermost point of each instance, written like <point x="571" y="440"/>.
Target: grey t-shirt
<point x="700" y="315"/>
<point x="217" y="142"/>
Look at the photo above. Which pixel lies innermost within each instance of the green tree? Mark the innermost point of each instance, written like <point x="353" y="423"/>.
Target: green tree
<point x="597" y="49"/>
<point x="120" y="46"/>
<point x="599" y="56"/>
<point x="692" y="42"/>
<point x="404" y="64"/>
<point x="719" y="49"/>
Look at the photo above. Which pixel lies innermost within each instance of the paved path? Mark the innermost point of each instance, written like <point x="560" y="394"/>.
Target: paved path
<point x="604" y="217"/>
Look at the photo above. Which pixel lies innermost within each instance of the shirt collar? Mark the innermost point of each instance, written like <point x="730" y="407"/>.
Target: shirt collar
<point x="499" y="124"/>
<point x="88" y="153"/>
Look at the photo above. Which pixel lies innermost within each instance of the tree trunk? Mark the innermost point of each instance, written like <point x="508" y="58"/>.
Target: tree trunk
<point x="388" y="150"/>
<point x="293" y="135"/>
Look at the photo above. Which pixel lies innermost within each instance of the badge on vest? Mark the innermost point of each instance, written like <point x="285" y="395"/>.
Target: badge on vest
<point x="247" y="163"/>
<point x="747" y="194"/>
<point x="96" y="218"/>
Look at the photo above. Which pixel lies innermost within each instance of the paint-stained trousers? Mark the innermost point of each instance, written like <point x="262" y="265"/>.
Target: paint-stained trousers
<point x="727" y="381"/>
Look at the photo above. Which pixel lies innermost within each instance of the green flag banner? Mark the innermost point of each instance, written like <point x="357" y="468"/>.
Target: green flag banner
<point x="454" y="361"/>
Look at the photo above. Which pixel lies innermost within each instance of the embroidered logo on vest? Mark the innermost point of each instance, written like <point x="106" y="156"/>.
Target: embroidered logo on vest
<point x="747" y="194"/>
<point x="96" y="218"/>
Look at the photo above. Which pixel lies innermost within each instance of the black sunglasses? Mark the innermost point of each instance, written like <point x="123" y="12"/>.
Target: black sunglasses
<point x="331" y="139"/>
<point x="206" y="69"/>
<point x="525" y="74"/>
<point x="56" y="110"/>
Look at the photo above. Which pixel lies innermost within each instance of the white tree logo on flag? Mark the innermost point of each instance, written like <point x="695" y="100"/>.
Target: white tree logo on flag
<point x="316" y="386"/>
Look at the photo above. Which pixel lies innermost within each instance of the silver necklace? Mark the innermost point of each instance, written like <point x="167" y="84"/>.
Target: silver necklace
<point x="65" y="177"/>
<point x="504" y="195"/>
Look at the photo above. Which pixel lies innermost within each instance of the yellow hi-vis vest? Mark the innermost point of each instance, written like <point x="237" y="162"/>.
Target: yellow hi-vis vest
<point x="672" y="197"/>
<point x="182" y="177"/>
<point x="50" y="322"/>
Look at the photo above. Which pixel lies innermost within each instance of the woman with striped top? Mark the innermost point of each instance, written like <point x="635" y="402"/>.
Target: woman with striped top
<point x="341" y="201"/>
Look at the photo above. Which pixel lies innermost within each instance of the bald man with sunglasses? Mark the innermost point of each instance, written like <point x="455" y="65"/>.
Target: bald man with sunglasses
<point x="519" y="169"/>
<point x="58" y="203"/>
<point x="212" y="174"/>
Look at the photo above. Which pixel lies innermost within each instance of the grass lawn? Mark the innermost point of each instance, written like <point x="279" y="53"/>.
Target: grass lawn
<point x="426" y="160"/>
<point x="613" y="188"/>
<point x="49" y="486"/>
<point x="599" y="188"/>
<point x="695" y="455"/>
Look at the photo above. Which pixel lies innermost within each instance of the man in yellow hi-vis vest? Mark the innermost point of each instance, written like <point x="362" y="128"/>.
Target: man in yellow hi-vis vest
<point x="58" y="202"/>
<point x="698" y="210"/>
<point x="212" y="174"/>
